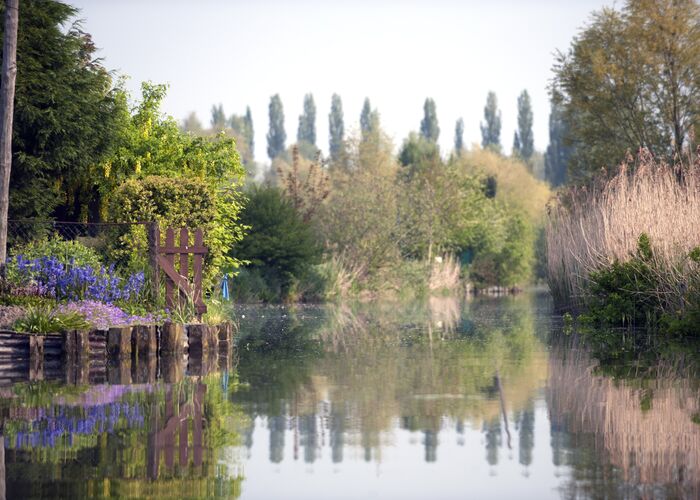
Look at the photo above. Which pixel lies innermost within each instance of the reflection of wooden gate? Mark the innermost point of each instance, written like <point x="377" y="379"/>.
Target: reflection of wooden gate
<point x="164" y="260"/>
<point x="174" y="432"/>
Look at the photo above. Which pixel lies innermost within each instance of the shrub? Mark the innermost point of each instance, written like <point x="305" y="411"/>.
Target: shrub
<point x="280" y="246"/>
<point x="178" y="202"/>
<point x="44" y="319"/>
<point x="67" y="252"/>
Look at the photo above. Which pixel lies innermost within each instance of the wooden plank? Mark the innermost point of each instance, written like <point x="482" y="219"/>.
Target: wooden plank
<point x="201" y="308"/>
<point x="153" y="248"/>
<point x="168" y="262"/>
<point x="195" y="250"/>
<point x="184" y="258"/>
<point x="175" y="278"/>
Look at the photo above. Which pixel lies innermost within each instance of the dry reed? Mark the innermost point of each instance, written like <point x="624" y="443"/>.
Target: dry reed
<point x="589" y="228"/>
<point x="444" y="273"/>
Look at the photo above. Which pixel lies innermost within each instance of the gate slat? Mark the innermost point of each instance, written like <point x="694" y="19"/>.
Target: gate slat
<point x="197" y="265"/>
<point x="184" y="257"/>
<point x="170" y="258"/>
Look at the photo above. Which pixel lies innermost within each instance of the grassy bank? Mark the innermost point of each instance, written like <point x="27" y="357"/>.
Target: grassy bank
<point x="626" y="249"/>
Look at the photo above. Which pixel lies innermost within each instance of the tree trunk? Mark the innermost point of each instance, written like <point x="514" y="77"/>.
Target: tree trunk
<point x="7" y="107"/>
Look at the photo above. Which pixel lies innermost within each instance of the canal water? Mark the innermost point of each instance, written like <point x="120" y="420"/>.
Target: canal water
<point x="445" y="398"/>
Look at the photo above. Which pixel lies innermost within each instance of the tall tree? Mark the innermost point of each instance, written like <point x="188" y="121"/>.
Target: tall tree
<point x="429" y="128"/>
<point x="249" y="130"/>
<point x="525" y="136"/>
<point x="276" y="136"/>
<point x="68" y="117"/>
<point x="491" y="126"/>
<point x="192" y="124"/>
<point x="336" y="128"/>
<point x="218" y="117"/>
<point x="459" y="137"/>
<point x="307" y="121"/>
<point x="517" y="151"/>
<point x="7" y="105"/>
<point x="556" y="158"/>
<point x="630" y="79"/>
<point x="369" y="120"/>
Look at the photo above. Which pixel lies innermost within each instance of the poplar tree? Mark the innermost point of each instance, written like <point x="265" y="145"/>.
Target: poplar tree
<point x="218" y="117"/>
<point x="307" y="121"/>
<point x="276" y="136"/>
<point x="558" y="154"/>
<point x="459" y="137"/>
<point x="526" y="142"/>
<point x="491" y="126"/>
<point x="336" y="128"/>
<point x="429" y="128"/>
<point x="249" y="130"/>
<point x="517" y="150"/>
<point x="369" y="120"/>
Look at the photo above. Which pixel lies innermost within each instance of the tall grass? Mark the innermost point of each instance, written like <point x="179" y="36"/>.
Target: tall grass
<point x="590" y="228"/>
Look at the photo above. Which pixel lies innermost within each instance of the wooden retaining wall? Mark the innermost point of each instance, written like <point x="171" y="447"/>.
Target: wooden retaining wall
<point x="100" y="356"/>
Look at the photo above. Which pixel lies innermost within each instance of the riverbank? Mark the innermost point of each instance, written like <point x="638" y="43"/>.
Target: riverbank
<point x="626" y="249"/>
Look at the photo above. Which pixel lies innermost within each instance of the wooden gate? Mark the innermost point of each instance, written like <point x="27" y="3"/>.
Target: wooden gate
<point x="164" y="257"/>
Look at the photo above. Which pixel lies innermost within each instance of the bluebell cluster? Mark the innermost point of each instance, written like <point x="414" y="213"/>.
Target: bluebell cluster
<point x="73" y="282"/>
<point x="62" y="421"/>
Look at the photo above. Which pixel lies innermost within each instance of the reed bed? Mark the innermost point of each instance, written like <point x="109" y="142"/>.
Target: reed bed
<point x="589" y="228"/>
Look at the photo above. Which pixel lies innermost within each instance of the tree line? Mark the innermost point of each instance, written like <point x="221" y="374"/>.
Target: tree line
<point x="306" y="138"/>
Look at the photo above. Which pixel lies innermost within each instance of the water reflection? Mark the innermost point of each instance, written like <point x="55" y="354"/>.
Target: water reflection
<point x="642" y="424"/>
<point x="424" y="368"/>
<point x="439" y="399"/>
<point x="153" y="439"/>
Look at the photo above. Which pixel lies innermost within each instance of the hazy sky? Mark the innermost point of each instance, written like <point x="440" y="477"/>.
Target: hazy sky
<point x="397" y="53"/>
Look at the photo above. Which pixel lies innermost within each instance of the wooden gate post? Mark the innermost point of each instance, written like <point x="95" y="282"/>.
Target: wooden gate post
<point x="153" y="243"/>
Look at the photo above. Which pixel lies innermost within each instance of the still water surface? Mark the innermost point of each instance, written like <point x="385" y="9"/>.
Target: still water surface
<point x="439" y="399"/>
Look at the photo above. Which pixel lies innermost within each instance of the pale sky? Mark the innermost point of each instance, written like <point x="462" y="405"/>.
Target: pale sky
<point x="397" y="53"/>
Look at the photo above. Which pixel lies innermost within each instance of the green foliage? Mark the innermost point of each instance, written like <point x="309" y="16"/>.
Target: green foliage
<point x="558" y="152"/>
<point x="622" y="293"/>
<point x="429" y="128"/>
<point x="336" y="128"/>
<point x="625" y="81"/>
<point x="307" y="121"/>
<point x="491" y="126"/>
<point x="279" y="244"/>
<point x="67" y="118"/>
<point x="44" y="319"/>
<point x="369" y="121"/>
<point x="459" y="136"/>
<point x="276" y="136"/>
<point x="218" y="117"/>
<point x="179" y="202"/>
<point x="66" y="251"/>
<point x="525" y="137"/>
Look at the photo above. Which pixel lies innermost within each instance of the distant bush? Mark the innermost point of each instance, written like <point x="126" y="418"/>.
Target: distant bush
<point x="280" y="247"/>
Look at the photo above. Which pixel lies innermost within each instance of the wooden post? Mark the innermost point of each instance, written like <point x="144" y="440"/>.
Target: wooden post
<point x="153" y="244"/>
<point x="7" y="107"/>
<point x="170" y="258"/>
<point x="184" y="261"/>
<point x="197" y="262"/>
<point x="172" y="338"/>
<point x="144" y="340"/>
<point x="119" y="342"/>
<point x="198" y="338"/>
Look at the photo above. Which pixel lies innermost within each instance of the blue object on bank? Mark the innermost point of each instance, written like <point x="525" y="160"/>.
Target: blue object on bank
<point x="224" y="288"/>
